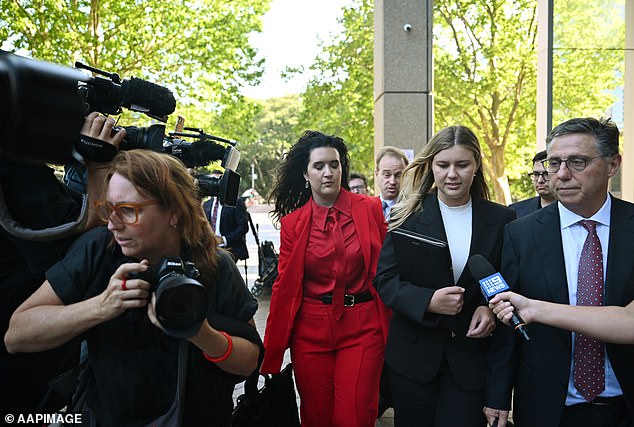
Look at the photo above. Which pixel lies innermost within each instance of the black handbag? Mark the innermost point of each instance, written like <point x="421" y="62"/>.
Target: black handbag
<point x="172" y="418"/>
<point x="274" y="405"/>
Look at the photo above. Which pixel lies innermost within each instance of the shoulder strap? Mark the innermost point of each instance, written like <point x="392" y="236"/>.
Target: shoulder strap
<point x="181" y="385"/>
<point x="253" y="230"/>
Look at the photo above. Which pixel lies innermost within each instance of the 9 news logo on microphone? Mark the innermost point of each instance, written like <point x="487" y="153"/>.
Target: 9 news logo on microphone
<point x="493" y="285"/>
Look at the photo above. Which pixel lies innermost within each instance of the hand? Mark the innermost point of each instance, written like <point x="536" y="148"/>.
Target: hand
<point x="123" y="293"/>
<point x="100" y="127"/>
<point x="496" y="414"/>
<point x="505" y="303"/>
<point x="482" y="323"/>
<point x="448" y="300"/>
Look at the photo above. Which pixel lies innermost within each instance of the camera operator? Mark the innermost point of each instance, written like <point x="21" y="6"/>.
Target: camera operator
<point x="35" y="198"/>
<point x="152" y="210"/>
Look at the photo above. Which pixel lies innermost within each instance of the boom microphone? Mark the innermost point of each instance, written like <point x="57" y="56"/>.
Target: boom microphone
<point x="195" y="154"/>
<point x="147" y="97"/>
<point x="491" y="284"/>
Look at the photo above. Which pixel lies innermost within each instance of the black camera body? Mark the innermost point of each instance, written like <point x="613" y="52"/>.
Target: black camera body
<point x="225" y="188"/>
<point x="181" y="300"/>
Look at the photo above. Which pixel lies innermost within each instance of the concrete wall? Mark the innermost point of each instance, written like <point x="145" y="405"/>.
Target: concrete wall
<point x="403" y="74"/>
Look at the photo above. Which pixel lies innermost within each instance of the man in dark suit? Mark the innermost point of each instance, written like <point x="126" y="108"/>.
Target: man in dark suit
<point x="577" y="251"/>
<point x="229" y="223"/>
<point x="541" y="183"/>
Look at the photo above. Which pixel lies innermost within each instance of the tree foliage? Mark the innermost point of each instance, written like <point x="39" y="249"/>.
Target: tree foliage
<point x="484" y="77"/>
<point x="197" y="48"/>
<point x="339" y="99"/>
<point x="276" y="129"/>
<point x="485" y="74"/>
<point x="588" y="60"/>
<point x="485" y="68"/>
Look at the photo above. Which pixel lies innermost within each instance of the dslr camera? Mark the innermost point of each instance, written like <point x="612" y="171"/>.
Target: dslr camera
<point x="181" y="300"/>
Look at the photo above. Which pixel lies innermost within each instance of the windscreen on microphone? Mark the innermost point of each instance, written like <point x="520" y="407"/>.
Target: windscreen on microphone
<point x="480" y="267"/>
<point x="147" y="97"/>
<point x="491" y="284"/>
<point x="204" y="152"/>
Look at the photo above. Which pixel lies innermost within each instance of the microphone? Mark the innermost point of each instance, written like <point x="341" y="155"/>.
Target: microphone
<point x="491" y="284"/>
<point x="203" y="152"/>
<point x="147" y="97"/>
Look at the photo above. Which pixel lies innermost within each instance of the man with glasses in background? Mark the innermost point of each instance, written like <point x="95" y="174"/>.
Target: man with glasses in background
<point x="358" y="183"/>
<point x="541" y="183"/>
<point x="577" y="251"/>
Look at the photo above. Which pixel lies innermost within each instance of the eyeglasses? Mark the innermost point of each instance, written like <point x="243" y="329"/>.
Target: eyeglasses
<point x="536" y="175"/>
<point x="127" y="213"/>
<point x="574" y="163"/>
<point x="358" y="188"/>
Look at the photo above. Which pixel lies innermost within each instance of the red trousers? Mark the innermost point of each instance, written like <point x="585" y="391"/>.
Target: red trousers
<point x="337" y="365"/>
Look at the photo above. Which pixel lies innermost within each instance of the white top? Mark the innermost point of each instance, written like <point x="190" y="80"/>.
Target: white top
<point x="457" y="222"/>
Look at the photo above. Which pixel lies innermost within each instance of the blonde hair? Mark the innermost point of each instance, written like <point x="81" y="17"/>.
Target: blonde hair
<point x="417" y="180"/>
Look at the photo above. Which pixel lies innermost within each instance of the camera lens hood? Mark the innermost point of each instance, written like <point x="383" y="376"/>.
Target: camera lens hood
<point x="181" y="305"/>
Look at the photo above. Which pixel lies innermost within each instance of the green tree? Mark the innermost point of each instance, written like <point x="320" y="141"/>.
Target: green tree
<point x="484" y="53"/>
<point x="339" y="99"/>
<point x="484" y="77"/>
<point x="588" y="42"/>
<point x="197" y="48"/>
<point x="485" y="73"/>
<point x="275" y="127"/>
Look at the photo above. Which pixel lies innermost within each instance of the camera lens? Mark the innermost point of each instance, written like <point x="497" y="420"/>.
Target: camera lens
<point x="181" y="305"/>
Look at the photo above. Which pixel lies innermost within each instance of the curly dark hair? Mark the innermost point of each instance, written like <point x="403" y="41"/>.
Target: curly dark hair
<point x="289" y="192"/>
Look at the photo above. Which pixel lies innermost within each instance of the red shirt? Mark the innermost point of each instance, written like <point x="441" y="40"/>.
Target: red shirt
<point x="320" y="262"/>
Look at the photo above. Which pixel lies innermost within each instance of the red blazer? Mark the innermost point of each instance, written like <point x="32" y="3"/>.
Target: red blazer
<point x="287" y="292"/>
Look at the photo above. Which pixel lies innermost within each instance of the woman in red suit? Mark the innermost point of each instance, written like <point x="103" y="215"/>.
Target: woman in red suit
<point x="323" y="306"/>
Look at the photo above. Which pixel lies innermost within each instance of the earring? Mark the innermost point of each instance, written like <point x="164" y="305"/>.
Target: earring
<point x="173" y="226"/>
<point x="306" y="184"/>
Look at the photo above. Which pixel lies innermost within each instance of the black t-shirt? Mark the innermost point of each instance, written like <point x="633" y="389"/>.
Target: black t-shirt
<point x="134" y="363"/>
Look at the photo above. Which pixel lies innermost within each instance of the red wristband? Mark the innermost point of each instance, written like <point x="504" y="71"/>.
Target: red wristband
<point x="227" y="352"/>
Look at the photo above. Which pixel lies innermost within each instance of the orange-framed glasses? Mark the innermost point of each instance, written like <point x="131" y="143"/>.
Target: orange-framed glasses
<point x="127" y="213"/>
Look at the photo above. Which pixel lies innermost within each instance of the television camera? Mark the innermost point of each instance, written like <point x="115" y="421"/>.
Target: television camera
<point x="42" y="113"/>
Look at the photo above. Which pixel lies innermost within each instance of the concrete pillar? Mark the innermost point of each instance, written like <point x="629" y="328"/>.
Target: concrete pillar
<point x="627" y="167"/>
<point x="403" y="74"/>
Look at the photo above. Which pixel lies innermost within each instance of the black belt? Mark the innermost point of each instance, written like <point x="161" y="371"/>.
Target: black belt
<point x="349" y="300"/>
<point x="607" y="401"/>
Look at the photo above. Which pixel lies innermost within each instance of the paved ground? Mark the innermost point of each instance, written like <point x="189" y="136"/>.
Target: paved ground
<point x="266" y="231"/>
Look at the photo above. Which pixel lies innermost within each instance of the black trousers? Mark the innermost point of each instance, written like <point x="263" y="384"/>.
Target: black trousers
<point x="438" y="403"/>
<point x="612" y="414"/>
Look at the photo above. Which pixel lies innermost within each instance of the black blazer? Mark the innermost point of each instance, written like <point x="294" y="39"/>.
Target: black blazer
<point x="525" y="207"/>
<point x="533" y="265"/>
<point x="234" y="225"/>
<point x="418" y="340"/>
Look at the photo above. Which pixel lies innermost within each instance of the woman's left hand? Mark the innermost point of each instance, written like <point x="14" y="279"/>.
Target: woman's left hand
<point x="482" y="323"/>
